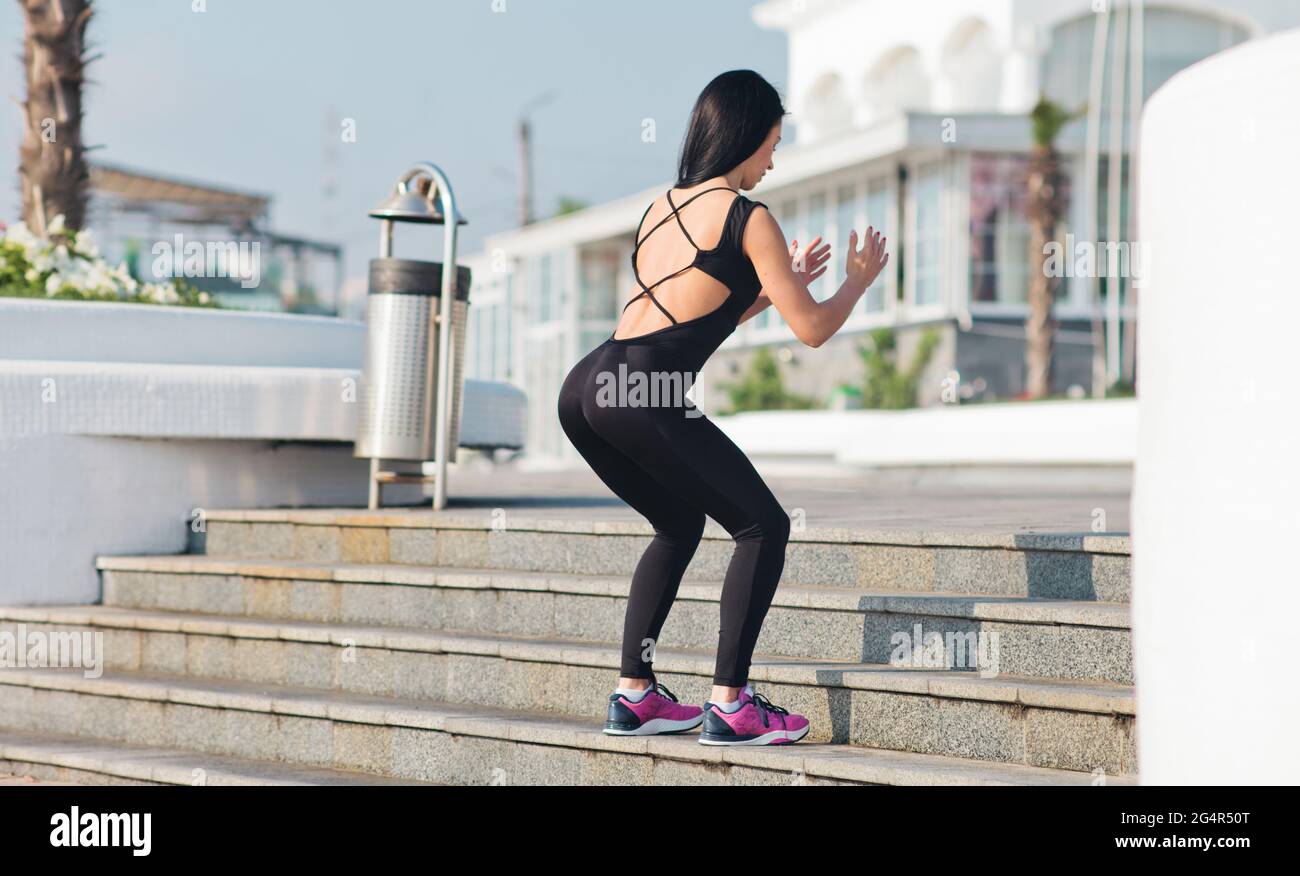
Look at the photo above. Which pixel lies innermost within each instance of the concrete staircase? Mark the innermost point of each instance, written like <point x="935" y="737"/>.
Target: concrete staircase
<point x="479" y="648"/>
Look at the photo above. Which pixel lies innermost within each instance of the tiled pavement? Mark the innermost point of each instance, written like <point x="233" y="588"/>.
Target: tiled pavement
<point x="987" y="500"/>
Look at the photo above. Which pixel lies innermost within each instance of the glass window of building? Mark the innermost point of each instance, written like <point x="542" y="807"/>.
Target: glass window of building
<point x="878" y="218"/>
<point x="541" y="301"/>
<point x="560" y="286"/>
<point x="999" y="229"/>
<point x="815" y="226"/>
<point x="849" y="211"/>
<point x="599" y="288"/>
<point x="927" y="240"/>
<point x="1113" y="261"/>
<point x="857" y="212"/>
<point x="473" y="331"/>
<point x="482" y="343"/>
<point x="506" y="329"/>
<point x="787" y="215"/>
<point x="484" y="356"/>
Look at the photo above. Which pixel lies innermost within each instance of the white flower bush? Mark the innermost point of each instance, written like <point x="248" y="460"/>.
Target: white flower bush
<point x="67" y="264"/>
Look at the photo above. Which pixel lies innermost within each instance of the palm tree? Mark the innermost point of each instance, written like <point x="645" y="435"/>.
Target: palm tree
<point x="52" y="166"/>
<point x="1045" y="206"/>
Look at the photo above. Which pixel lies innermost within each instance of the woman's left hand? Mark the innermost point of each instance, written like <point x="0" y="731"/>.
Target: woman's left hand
<point x="810" y="265"/>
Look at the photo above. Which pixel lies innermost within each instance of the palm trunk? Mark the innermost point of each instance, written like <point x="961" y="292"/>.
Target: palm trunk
<point x="52" y="165"/>
<point x="1043" y="208"/>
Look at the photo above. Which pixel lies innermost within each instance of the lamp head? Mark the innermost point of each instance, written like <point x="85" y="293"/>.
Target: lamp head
<point x="414" y="199"/>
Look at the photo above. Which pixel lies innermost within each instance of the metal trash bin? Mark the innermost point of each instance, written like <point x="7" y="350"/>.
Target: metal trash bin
<point x="399" y="381"/>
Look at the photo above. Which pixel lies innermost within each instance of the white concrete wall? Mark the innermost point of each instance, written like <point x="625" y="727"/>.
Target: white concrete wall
<point x="1035" y="433"/>
<point x="1216" y="507"/>
<point x="69" y="498"/>
<point x="845" y="40"/>
<point x="118" y="421"/>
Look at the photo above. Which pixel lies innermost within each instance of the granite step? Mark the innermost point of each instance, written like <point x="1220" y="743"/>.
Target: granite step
<point x="1082" y="565"/>
<point x="61" y="757"/>
<point x="9" y="780"/>
<point x="1038" y="722"/>
<point x="1066" y="639"/>
<point x="447" y="743"/>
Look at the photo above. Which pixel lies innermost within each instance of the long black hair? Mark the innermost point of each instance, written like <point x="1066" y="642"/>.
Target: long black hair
<point x="732" y="117"/>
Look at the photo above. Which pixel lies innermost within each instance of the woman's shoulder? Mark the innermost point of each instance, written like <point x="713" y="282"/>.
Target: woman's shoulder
<point x="749" y="206"/>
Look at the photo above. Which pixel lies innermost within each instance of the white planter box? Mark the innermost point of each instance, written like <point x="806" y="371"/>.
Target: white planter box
<point x="117" y="421"/>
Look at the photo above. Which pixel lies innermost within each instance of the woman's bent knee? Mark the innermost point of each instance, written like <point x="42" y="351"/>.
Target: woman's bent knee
<point x="771" y="527"/>
<point x="686" y="529"/>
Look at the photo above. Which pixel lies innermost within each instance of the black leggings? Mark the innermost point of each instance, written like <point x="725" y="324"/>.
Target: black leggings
<point x="675" y="467"/>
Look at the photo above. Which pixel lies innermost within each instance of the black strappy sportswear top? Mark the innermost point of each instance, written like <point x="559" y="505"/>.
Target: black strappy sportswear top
<point x="726" y="262"/>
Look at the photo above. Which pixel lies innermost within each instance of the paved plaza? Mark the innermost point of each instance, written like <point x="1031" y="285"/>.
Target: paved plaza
<point x="985" y="500"/>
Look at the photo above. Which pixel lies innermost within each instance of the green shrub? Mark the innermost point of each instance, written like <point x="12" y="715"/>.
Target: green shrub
<point x="887" y="387"/>
<point x="761" y="388"/>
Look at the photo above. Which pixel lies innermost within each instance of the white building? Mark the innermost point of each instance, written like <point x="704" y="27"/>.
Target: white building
<point x="911" y="117"/>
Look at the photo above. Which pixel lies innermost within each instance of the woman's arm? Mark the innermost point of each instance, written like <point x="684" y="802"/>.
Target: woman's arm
<point x="809" y="268"/>
<point x="813" y="322"/>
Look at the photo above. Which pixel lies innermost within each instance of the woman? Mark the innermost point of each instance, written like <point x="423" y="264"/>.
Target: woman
<point x="666" y="459"/>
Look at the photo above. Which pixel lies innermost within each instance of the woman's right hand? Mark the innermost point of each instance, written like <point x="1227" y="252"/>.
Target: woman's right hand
<point x="864" y="265"/>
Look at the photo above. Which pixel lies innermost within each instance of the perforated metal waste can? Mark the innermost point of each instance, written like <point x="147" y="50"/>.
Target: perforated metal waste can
<point x="399" y="377"/>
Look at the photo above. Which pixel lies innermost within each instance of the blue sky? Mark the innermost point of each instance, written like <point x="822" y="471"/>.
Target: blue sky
<point x="239" y="95"/>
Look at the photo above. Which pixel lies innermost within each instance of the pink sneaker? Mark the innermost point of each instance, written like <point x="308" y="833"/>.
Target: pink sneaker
<point x="657" y="712"/>
<point x="756" y="722"/>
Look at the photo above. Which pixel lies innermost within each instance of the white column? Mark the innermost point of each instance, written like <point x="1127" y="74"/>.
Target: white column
<point x="1216" y="504"/>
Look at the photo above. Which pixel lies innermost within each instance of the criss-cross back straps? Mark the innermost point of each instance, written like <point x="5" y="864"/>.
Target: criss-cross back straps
<point x="675" y="208"/>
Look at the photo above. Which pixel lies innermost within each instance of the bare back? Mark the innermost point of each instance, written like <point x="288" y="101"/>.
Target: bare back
<point x="666" y="255"/>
